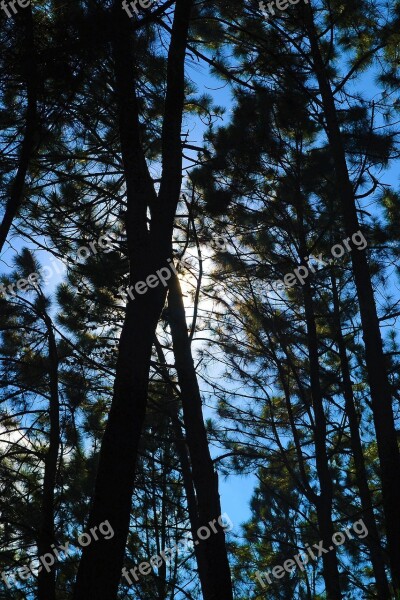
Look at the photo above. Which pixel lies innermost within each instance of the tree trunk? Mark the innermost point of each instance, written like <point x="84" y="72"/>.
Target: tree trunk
<point x="47" y="580"/>
<point x="100" y="568"/>
<point x="372" y="540"/>
<point x="101" y="563"/>
<point x="381" y="400"/>
<point x="218" y="584"/>
<point x="324" y="501"/>
<point x="187" y="475"/>
<point x="199" y="550"/>
<point x="325" y="498"/>
<point x="28" y="142"/>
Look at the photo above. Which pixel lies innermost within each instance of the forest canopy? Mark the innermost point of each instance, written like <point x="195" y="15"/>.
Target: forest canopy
<point x="199" y="300"/>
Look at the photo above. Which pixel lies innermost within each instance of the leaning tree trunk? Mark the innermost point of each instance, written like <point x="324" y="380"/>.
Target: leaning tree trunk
<point x="187" y="476"/>
<point x="28" y="141"/>
<point x="372" y="540"/>
<point x="100" y="567"/>
<point x="217" y="584"/>
<point x="381" y="400"/>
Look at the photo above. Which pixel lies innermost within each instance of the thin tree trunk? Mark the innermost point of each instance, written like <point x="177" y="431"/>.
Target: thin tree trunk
<point x="302" y="482"/>
<point x="381" y="400"/>
<point x="100" y="567"/>
<point x="187" y="475"/>
<point x="28" y="142"/>
<point x="47" y="580"/>
<point x="204" y="476"/>
<point x="199" y="550"/>
<point x="324" y="501"/>
<point x="162" y="570"/>
<point x="159" y="536"/>
<point x="325" y="498"/>
<point x="372" y="540"/>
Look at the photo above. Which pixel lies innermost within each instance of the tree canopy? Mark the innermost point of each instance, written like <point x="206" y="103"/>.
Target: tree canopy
<point x="199" y="300"/>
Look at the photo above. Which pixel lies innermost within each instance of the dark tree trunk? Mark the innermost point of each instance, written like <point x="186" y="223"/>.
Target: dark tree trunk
<point x="372" y="540"/>
<point x="217" y="584"/>
<point x="184" y="459"/>
<point x="325" y="498"/>
<point x="324" y="501"/>
<point x="159" y="533"/>
<point x="101" y="564"/>
<point x="199" y="550"/>
<point x="100" y="568"/>
<point x="28" y="142"/>
<point x="381" y="400"/>
<point x="47" y="580"/>
<point x="302" y="481"/>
